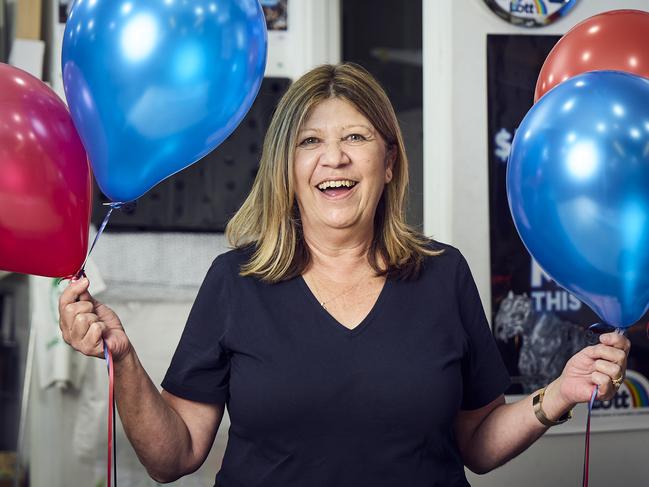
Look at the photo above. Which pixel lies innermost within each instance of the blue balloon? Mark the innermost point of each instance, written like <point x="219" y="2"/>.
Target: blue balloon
<point x="578" y="189"/>
<point x="154" y="85"/>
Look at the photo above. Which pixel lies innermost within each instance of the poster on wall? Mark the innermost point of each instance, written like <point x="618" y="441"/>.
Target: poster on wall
<point x="538" y="325"/>
<point x="276" y="14"/>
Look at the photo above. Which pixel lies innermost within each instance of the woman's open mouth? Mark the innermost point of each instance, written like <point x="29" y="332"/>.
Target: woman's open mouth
<point x="337" y="188"/>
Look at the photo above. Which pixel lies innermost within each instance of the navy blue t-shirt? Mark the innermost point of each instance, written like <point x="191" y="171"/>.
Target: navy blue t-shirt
<point x="313" y="403"/>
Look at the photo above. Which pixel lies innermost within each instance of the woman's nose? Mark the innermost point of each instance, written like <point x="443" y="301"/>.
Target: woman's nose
<point x="333" y="154"/>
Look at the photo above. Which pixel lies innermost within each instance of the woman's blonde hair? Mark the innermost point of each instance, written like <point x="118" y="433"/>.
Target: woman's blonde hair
<point x="269" y="218"/>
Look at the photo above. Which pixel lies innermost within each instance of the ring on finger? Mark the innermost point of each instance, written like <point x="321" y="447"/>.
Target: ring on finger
<point x="618" y="382"/>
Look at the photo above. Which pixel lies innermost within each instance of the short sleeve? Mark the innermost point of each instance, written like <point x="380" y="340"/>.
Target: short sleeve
<point x="200" y="368"/>
<point x="484" y="375"/>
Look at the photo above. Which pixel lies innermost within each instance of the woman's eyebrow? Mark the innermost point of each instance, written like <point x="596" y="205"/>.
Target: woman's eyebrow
<point x="344" y="127"/>
<point x="354" y="125"/>
<point x="310" y="129"/>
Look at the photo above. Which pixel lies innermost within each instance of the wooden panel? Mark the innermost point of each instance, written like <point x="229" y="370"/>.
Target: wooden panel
<point x="28" y="19"/>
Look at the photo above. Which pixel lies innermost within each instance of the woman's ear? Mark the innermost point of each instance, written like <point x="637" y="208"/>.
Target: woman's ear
<point x="390" y="158"/>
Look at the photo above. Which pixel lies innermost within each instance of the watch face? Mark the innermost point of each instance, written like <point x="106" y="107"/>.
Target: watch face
<point x="531" y="13"/>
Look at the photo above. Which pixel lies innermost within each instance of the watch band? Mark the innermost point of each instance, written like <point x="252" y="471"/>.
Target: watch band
<point x="537" y="403"/>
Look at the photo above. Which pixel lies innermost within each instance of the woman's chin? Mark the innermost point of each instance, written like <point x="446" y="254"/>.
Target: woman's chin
<point x="340" y="224"/>
<point x="338" y="220"/>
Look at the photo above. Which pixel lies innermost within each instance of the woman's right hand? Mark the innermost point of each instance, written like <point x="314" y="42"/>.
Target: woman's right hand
<point x="85" y="323"/>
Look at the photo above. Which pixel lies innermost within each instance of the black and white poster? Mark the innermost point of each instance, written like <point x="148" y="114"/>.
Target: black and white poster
<point x="538" y="326"/>
<point x="276" y="12"/>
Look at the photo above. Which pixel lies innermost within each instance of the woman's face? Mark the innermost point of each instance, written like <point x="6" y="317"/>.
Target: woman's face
<point x="341" y="167"/>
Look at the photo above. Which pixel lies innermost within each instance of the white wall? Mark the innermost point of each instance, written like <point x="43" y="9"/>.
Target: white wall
<point x="312" y="38"/>
<point x="456" y="210"/>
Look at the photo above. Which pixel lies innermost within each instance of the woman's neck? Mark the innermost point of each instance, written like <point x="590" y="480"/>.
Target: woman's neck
<point x="339" y="259"/>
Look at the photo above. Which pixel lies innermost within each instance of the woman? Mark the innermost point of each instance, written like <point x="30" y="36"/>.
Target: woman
<point x="350" y="349"/>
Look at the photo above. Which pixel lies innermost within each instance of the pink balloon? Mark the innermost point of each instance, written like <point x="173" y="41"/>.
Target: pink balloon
<point x="45" y="180"/>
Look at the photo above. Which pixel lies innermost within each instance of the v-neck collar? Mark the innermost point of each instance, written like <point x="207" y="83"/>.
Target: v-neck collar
<point x="327" y="317"/>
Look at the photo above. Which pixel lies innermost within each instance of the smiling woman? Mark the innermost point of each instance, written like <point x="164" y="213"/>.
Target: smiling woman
<point x="349" y="349"/>
<point x="341" y="167"/>
<point x="335" y="124"/>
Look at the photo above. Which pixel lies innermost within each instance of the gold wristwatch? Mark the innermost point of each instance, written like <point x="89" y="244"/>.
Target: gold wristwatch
<point x="537" y="402"/>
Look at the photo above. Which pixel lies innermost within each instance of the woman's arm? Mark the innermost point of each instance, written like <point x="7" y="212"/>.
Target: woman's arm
<point x="171" y="436"/>
<point x="494" y="434"/>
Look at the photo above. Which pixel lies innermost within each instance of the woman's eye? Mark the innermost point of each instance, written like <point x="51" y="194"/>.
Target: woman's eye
<point x="356" y="138"/>
<point x="309" y="141"/>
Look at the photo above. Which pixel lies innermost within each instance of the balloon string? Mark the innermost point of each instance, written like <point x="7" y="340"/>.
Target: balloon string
<point x="82" y="272"/>
<point x="112" y="441"/>
<point x="102" y="227"/>
<point x="584" y="482"/>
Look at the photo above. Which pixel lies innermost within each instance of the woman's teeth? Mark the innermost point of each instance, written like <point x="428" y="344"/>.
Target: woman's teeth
<point x="347" y="183"/>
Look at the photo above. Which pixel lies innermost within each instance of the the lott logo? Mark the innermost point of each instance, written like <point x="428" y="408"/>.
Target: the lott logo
<point x="633" y="393"/>
<point x="532" y="7"/>
<point x="530" y="13"/>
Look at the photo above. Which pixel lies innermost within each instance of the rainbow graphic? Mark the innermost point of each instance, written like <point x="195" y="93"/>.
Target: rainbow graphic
<point x="637" y="389"/>
<point x="540" y="7"/>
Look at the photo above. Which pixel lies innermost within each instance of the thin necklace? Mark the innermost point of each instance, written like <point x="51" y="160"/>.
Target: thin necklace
<point x="324" y="303"/>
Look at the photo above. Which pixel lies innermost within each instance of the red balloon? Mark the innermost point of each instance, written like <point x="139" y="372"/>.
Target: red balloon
<point x="615" y="40"/>
<point x="45" y="181"/>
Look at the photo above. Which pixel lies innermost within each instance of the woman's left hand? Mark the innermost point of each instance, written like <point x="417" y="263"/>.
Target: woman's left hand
<point x="603" y="365"/>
